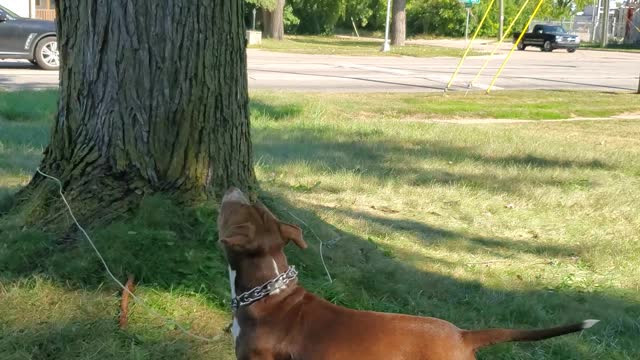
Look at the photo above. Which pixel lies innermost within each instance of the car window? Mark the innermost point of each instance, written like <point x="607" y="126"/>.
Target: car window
<point x="554" y="29"/>
<point x="8" y="14"/>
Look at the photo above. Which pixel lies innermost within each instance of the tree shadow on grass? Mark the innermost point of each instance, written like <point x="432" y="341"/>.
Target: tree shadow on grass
<point x="433" y="236"/>
<point x="86" y="339"/>
<point x="356" y="151"/>
<point x="370" y="276"/>
<point x="171" y="249"/>
<point x="279" y="112"/>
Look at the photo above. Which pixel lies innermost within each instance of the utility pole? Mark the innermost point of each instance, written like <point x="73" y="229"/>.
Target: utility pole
<point x="385" y="46"/>
<point x="605" y="24"/>
<point x="253" y="25"/>
<point x="466" y="29"/>
<point x="501" y="20"/>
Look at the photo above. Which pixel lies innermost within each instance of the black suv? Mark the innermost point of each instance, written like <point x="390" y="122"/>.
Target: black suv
<point x="29" y="39"/>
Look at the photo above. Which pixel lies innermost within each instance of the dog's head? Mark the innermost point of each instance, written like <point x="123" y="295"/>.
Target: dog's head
<point x="249" y="233"/>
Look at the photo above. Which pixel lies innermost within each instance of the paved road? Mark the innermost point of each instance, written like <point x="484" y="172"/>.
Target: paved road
<point x="532" y="69"/>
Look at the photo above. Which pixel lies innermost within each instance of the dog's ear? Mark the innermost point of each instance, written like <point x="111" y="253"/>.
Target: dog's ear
<point x="292" y="232"/>
<point x="238" y="235"/>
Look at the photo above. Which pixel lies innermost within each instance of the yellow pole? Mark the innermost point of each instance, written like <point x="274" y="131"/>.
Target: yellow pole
<point x="469" y="45"/>
<point x="515" y="44"/>
<point x="504" y="36"/>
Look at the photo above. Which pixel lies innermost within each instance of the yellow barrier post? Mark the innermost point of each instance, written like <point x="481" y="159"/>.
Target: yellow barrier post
<point x="526" y="27"/>
<point x="455" y="73"/>
<point x="504" y="36"/>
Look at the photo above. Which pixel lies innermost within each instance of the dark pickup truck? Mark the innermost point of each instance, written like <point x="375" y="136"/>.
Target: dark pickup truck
<point x="548" y="38"/>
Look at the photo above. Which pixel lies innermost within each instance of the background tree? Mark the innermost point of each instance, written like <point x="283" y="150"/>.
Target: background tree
<point x="318" y="16"/>
<point x="399" y="23"/>
<point x="153" y="99"/>
<point x="273" y="21"/>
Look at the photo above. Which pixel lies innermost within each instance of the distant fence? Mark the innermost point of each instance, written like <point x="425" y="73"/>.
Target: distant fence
<point x="45" y="14"/>
<point x="623" y="25"/>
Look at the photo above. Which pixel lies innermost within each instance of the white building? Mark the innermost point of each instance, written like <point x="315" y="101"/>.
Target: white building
<point x="37" y="9"/>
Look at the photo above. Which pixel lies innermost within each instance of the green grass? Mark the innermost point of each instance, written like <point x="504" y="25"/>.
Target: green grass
<point x="329" y="45"/>
<point x="22" y="136"/>
<point x="493" y="225"/>
<point x="22" y="105"/>
<point x="530" y="105"/>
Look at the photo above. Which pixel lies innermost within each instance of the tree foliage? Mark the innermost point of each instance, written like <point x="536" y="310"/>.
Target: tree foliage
<point x="434" y="17"/>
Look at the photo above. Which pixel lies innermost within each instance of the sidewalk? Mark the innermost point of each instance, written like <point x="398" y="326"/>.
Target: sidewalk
<point x="484" y="45"/>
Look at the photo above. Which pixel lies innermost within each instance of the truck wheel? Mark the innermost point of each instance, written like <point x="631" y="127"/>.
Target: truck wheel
<point x="571" y="50"/>
<point x="547" y="46"/>
<point x="521" y="46"/>
<point x="47" y="55"/>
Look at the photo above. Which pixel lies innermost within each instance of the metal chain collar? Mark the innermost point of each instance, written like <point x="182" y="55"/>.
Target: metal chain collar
<point x="264" y="290"/>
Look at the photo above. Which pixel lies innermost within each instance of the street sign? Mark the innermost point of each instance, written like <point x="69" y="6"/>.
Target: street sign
<point x="469" y="3"/>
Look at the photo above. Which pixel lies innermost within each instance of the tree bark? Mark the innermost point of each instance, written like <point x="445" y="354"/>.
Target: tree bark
<point x="399" y="23"/>
<point x="273" y="21"/>
<point x="153" y="98"/>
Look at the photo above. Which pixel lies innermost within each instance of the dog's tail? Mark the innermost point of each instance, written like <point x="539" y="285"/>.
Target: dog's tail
<point x="480" y="338"/>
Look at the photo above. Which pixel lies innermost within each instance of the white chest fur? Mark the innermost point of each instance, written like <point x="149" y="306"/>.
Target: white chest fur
<point x="235" y="327"/>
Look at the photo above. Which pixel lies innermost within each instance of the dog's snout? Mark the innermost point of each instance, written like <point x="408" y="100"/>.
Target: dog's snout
<point x="235" y="195"/>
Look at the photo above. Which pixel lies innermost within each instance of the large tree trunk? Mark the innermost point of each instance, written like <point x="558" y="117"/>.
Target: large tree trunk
<point x="399" y="24"/>
<point x="153" y="99"/>
<point x="273" y="21"/>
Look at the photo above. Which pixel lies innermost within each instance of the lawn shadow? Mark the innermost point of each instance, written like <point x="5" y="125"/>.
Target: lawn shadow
<point x="172" y="249"/>
<point x="370" y="277"/>
<point x="467" y="243"/>
<point x="279" y="112"/>
<point x="86" y="339"/>
<point x="361" y="152"/>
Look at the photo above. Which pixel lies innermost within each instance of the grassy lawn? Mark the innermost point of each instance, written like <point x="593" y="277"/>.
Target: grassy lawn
<point x="530" y="105"/>
<point x="494" y="225"/>
<point x="329" y="45"/>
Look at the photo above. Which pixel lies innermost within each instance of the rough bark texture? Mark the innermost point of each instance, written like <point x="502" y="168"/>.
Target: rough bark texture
<point x="153" y="99"/>
<point x="273" y="21"/>
<point x="399" y="23"/>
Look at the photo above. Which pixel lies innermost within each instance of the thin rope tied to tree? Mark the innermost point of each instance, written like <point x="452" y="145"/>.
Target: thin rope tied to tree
<point x="321" y="244"/>
<point x="124" y="288"/>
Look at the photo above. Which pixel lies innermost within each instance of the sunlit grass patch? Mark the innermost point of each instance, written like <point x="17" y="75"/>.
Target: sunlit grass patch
<point x="330" y="45"/>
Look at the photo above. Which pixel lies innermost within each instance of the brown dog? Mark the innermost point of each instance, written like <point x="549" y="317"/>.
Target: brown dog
<point x="276" y="319"/>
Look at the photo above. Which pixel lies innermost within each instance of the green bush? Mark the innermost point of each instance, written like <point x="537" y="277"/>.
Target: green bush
<point x="436" y="17"/>
<point x="317" y="16"/>
<point x="291" y="22"/>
